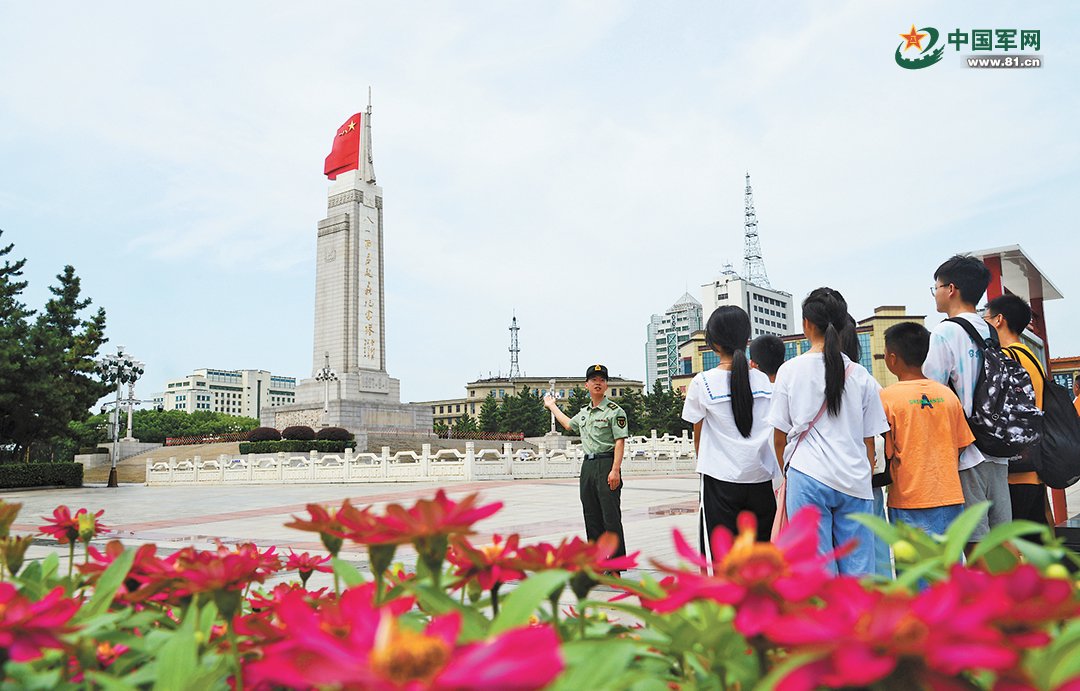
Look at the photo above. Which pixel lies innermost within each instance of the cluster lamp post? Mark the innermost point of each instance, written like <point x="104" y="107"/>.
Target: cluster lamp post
<point x="120" y="369"/>
<point x="326" y="375"/>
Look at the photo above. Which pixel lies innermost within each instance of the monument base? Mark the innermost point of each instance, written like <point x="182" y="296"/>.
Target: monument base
<point x="360" y="402"/>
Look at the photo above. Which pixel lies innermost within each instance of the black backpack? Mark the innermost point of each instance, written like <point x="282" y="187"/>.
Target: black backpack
<point x="1056" y="458"/>
<point x="1004" y="418"/>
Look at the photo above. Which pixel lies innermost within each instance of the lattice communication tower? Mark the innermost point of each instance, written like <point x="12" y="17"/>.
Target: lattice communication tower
<point x="515" y="372"/>
<point x="753" y="264"/>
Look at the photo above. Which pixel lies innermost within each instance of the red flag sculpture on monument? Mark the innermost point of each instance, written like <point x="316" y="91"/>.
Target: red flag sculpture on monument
<point x="345" y="155"/>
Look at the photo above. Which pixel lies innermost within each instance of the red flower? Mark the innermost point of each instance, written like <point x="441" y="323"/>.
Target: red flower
<point x="222" y="569"/>
<point x="861" y="637"/>
<point x="27" y="627"/>
<point x="428" y="518"/>
<point x="353" y="643"/>
<point x="1020" y="603"/>
<point x="757" y="578"/>
<point x="306" y="564"/>
<point x="67" y="528"/>
<point x="147" y="578"/>
<point x="586" y="560"/>
<point x="577" y="555"/>
<point x="488" y="565"/>
<point x="328" y="523"/>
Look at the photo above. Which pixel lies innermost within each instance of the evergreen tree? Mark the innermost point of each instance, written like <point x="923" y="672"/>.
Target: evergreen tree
<point x="662" y="411"/>
<point x="13" y="341"/>
<point x="572" y="405"/>
<point x="633" y="405"/>
<point x="61" y="376"/>
<point x="489" y="414"/>
<point x="465" y="427"/>
<point x="537" y="416"/>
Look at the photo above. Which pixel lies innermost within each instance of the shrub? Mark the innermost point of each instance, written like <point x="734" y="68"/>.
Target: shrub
<point x="41" y="474"/>
<point x="264" y="434"/>
<point x="300" y="432"/>
<point x="294" y="446"/>
<point x="335" y="434"/>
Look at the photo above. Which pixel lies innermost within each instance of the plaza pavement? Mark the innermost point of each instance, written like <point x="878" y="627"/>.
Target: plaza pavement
<point x="182" y="516"/>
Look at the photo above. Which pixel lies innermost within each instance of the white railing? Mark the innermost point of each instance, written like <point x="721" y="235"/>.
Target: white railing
<point x="667" y="455"/>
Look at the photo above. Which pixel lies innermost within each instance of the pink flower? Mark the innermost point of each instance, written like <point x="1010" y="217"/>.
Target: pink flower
<point x="306" y="564"/>
<point x="28" y="627"/>
<point x="65" y="528"/>
<point x="757" y="578"/>
<point x="354" y="643"/>
<point x="860" y="637"/>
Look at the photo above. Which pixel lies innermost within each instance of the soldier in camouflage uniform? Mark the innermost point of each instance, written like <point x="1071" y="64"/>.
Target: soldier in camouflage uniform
<point x="603" y="428"/>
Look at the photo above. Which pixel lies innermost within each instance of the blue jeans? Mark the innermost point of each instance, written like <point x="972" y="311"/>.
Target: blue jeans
<point x="932" y="521"/>
<point x="835" y="528"/>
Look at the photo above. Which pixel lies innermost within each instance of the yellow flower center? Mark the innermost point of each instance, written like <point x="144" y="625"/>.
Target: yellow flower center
<point x="401" y="655"/>
<point x="752" y="560"/>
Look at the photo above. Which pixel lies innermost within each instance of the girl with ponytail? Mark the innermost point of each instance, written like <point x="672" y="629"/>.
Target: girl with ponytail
<point x="826" y="411"/>
<point x="728" y="406"/>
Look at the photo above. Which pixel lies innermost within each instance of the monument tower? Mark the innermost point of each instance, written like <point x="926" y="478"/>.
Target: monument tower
<point x="350" y="316"/>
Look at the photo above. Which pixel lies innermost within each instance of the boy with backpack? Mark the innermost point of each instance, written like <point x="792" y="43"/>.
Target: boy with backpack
<point x="995" y="392"/>
<point x="1010" y="315"/>
<point x="927" y="433"/>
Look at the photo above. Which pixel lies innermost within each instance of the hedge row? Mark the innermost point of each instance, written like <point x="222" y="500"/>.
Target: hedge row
<point x="294" y="446"/>
<point x="41" y="474"/>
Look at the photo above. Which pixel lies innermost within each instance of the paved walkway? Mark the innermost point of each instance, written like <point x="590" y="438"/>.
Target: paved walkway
<point x="177" y="517"/>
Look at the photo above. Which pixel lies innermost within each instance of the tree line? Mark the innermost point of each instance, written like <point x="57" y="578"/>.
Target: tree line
<point x="524" y="411"/>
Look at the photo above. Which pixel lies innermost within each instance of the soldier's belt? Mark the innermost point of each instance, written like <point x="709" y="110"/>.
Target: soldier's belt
<point x="603" y="454"/>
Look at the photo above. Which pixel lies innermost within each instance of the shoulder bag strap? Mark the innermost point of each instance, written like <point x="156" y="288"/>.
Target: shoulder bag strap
<point x="820" y="412"/>
<point x="969" y="328"/>
<point x="1038" y="365"/>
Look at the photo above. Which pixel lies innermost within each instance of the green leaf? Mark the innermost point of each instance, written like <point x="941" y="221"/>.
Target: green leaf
<point x="474" y="625"/>
<point x="595" y="664"/>
<point x="910" y="576"/>
<point x="886" y="531"/>
<point x="523" y="602"/>
<point x="108" y="682"/>
<point x="178" y="659"/>
<point x="1005" y="532"/>
<point x="959" y="533"/>
<point x="347" y="572"/>
<point x="107" y="585"/>
<point x="790" y="664"/>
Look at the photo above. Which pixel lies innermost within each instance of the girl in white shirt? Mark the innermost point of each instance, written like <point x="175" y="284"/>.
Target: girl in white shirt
<point x="728" y="406"/>
<point x="827" y="411"/>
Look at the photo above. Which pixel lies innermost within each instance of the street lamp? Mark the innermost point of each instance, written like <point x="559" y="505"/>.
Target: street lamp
<point x="326" y="375"/>
<point x="554" y="394"/>
<point x="119" y="369"/>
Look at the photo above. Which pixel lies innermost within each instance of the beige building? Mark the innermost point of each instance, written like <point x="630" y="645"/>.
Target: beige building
<point x="695" y="356"/>
<point x="448" y="410"/>
<point x="233" y="392"/>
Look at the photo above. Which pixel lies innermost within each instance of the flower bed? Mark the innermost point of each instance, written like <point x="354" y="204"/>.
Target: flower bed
<point x="756" y="615"/>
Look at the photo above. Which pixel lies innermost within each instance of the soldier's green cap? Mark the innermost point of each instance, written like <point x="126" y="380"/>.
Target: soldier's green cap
<point x="596" y="371"/>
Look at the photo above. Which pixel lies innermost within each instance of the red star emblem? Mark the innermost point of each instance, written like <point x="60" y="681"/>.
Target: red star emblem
<point x="914" y="39"/>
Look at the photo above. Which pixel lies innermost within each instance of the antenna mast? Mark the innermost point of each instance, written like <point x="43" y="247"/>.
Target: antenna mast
<point x="514" y="350"/>
<point x="753" y="264"/>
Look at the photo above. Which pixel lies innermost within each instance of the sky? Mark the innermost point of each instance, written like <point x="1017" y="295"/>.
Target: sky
<point x="578" y="164"/>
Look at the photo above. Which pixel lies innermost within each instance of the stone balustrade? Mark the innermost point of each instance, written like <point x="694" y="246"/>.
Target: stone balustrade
<point x="667" y="455"/>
